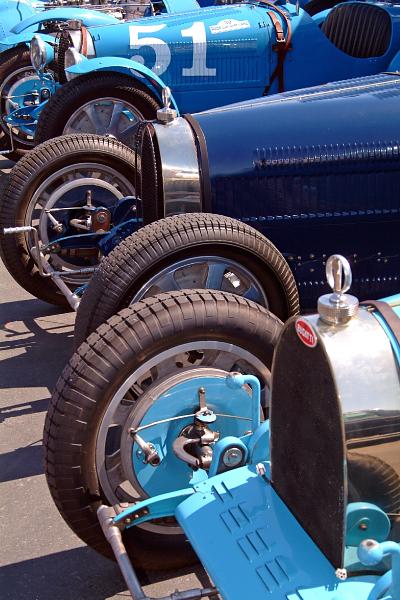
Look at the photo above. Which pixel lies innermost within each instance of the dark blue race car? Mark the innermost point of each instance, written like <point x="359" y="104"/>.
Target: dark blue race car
<point x="310" y="170"/>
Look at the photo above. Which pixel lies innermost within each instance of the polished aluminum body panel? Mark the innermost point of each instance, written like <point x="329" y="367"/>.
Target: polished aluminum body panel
<point x="365" y="371"/>
<point x="363" y="364"/>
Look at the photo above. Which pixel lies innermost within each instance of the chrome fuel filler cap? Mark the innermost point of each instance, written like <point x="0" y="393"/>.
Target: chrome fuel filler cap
<point x="338" y="308"/>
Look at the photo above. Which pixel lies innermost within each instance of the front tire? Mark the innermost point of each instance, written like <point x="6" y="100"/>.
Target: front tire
<point x="15" y="68"/>
<point x="175" y="253"/>
<point x="87" y="104"/>
<point x="233" y="333"/>
<point x="40" y="177"/>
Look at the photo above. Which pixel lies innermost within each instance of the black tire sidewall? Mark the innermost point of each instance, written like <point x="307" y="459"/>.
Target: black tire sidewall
<point x="86" y="88"/>
<point x="119" y="277"/>
<point x="249" y="331"/>
<point x="24" y="181"/>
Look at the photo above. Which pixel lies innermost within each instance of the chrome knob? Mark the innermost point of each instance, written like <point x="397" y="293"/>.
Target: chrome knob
<point x="338" y="308"/>
<point x="166" y="97"/>
<point x="166" y="114"/>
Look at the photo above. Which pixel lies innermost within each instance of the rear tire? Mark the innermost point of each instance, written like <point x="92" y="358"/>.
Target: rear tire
<point x="26" y="177"/>
<point x="123" y="273"/>
<point x="89" y="384"/>
<point x="91" y="87"/>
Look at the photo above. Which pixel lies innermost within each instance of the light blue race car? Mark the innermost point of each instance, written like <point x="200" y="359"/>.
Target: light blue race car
<point x="20" y="20"/>
<point x="208" y="57"/>
<point x="155" y="444"/>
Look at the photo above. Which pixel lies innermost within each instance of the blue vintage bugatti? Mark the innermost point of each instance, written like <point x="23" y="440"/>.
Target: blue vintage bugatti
<point x="19" y="21"/>
<point x="308" y="169"/>
<point x="155" y="440"/>
<point x="20" y="85"/>
<point x="208" y="58"/>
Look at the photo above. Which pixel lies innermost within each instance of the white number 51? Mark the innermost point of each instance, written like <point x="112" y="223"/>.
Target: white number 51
<point x="163" y="54"/>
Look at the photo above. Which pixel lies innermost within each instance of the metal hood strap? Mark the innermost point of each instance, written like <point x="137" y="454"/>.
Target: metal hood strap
<point x="388" y="314"/>
<point x="281" y="47"/>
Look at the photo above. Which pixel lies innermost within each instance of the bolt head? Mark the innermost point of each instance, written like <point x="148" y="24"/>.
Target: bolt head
<point x="260" y="469"/>
<point x="232" y="457"/>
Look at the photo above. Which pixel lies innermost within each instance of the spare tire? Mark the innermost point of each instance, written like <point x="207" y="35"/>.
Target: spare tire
<point x="373" y="480"/>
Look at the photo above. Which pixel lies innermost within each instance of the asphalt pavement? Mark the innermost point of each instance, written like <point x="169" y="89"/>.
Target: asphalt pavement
<point x="40" y="557"/>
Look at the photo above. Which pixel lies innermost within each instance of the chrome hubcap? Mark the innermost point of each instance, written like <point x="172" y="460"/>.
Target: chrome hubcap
<point x="106" y="116"/>
<point x="205" y="272"/>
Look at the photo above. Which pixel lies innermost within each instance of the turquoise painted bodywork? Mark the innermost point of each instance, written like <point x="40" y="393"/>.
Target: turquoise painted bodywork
<point x="237" y="63"/>
<point x="123" y="65"/>
<point x="252" y="546"/>
<point x="20" y="39"/>
<point x="20" y="20"/>
<point x="13" y="12"/>
<point x="237" y="413"/>
<point x="216" y="55"/>
<point x="394" y="303"/>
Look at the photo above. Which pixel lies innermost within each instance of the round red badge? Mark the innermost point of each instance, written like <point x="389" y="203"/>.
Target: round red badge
<point x="306" y="333"/>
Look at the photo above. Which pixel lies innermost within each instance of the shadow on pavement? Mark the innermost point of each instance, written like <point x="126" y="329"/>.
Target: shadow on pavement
<point x="21" y="462"/>
<point x="76" y="574"/>
<point x="39" y="352"/>
<point x="79" y="574"/>
<point x="20" y="410"/>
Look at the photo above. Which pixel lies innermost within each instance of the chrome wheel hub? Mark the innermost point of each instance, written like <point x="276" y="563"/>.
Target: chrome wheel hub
<point x="106" y="116"/>
<point x="205" y="272"/>
<point x="59" y="194"/>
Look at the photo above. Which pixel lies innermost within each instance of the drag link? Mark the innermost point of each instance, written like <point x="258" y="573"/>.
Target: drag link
<point x="45" y="269"/>
<point x="106" y="516"/>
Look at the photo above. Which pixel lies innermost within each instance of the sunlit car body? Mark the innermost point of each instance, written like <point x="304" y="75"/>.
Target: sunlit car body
<point x="21" y="21"/>
<point x="303" y="505"/>
<point x="221" y="54"/>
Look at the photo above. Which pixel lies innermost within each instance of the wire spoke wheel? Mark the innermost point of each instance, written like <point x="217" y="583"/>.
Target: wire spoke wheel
<point x="60" y="194"/>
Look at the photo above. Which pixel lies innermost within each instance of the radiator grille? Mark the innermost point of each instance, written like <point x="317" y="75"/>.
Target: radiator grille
<point x="148" y="173"/>
<point x="63" y="42"/>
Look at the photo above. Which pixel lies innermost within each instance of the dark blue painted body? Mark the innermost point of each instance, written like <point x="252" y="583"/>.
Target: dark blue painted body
<point x="315" y="170"/>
